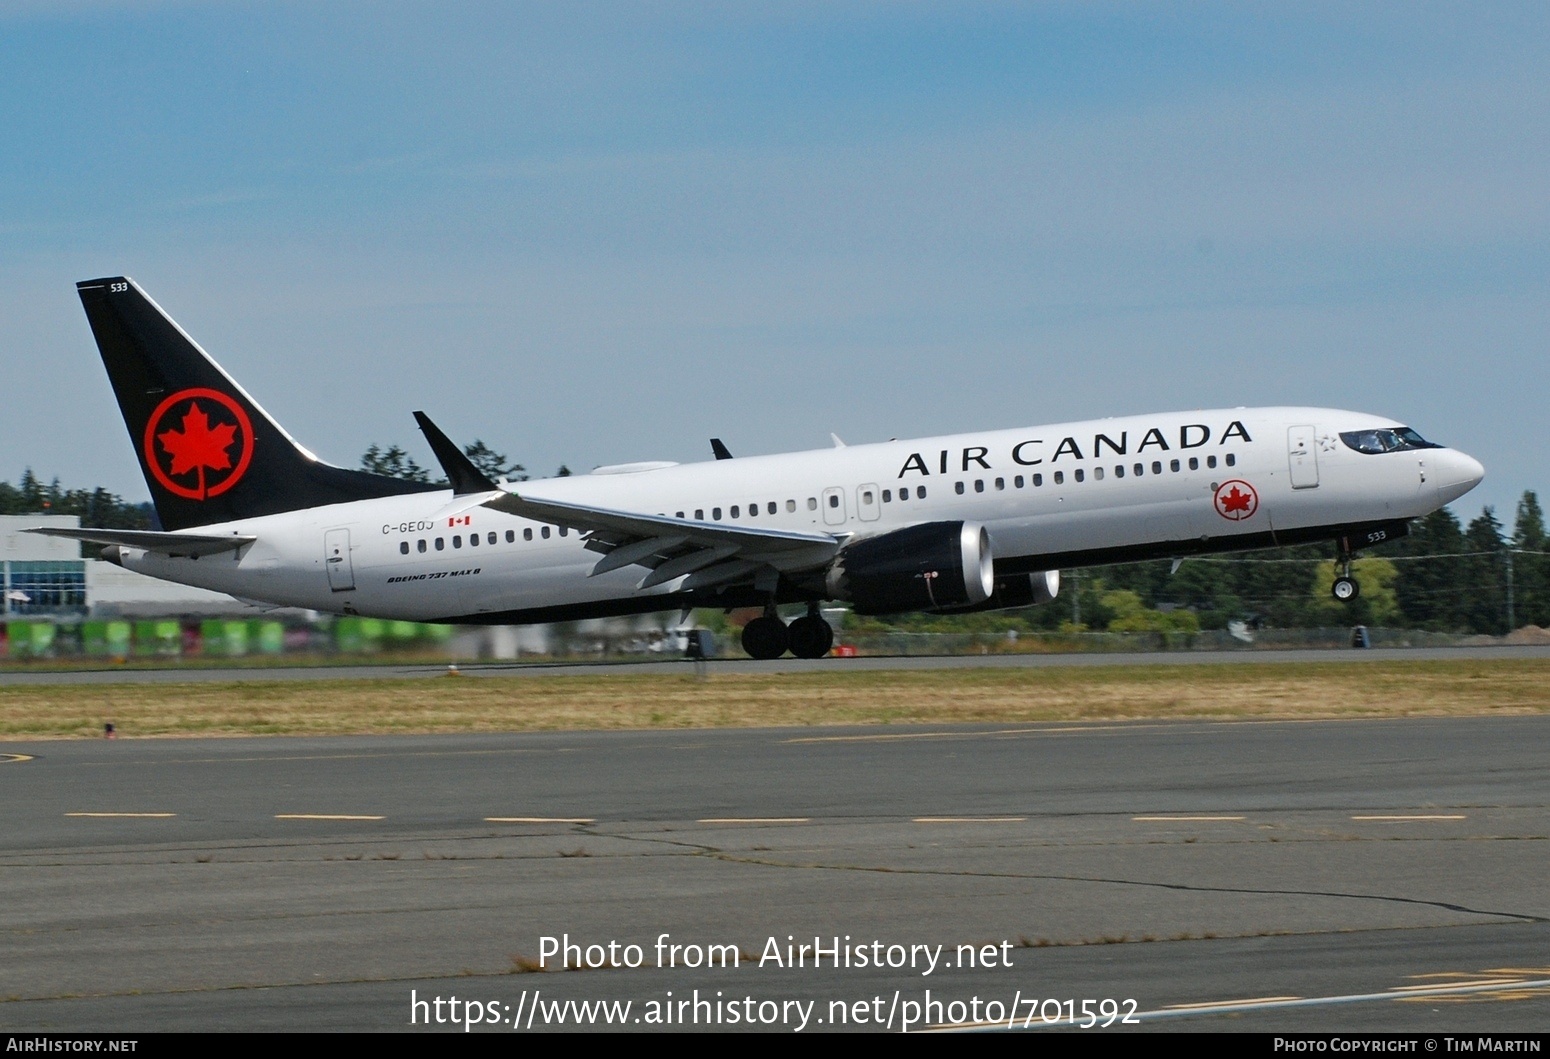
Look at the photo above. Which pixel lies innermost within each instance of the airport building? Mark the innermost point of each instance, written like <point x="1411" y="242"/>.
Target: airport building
<point x="61" y="601"/>
<point x="47" y="578"/>
<point x="56" y="602"/>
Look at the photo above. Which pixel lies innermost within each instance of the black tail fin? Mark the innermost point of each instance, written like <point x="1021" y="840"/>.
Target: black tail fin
<point x="208" y="451"/>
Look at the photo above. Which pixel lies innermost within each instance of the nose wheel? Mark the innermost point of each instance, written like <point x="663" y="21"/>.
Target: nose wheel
<point x="1345" y="587"/>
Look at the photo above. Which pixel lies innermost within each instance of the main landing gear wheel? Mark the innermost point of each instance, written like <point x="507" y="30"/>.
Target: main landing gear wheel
<point x="811" y="637"/>
<point x="766" y="637"/>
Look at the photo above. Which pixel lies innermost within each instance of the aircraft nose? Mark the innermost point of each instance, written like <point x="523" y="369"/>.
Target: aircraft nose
<point x="1456" y="474"/>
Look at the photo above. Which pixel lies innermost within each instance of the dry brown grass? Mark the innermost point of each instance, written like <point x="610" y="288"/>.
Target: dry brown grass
<point x="676" y="700"/>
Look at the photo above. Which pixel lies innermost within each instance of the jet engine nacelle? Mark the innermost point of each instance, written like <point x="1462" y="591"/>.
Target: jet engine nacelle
<point x="1043" y="587"/>
<point x="935" y="566"/>
<point x="1016" y="590"/>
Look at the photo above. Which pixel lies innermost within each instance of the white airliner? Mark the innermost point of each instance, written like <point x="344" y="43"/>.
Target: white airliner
<point x="967" y="522"/>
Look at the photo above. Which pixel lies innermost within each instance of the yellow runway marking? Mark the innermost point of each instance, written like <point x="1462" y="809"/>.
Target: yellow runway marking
<point x="324" y="816"/>
<point x="881" y="738"/>
<point x="1171" y="819"/>
<point x="130" y="816"/>
<point x="969" y="819"/>
<point x="1516" y="970"/>
<point x="1231" y="1003"/>
<point x="6" y="759"/>
<point x="1469" y="982"/>
<point x="1514" y="984"/>
<point x="755" y="820"/>
<point x="1458" y="816"/>
<point x="1434" y="994"/>
<point x="539" y="820"/>
<point x="961" y="735"/>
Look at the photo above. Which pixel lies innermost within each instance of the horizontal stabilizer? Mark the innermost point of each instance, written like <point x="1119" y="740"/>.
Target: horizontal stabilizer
<point x="187" y="544"/>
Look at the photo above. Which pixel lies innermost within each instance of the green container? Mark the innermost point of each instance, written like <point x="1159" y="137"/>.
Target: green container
<point x="35" y="639"/>
<point x="94" y="639"/>
<point x="269" y="636"/>
<point x="234" y="638"/>
<point x="225" y="638"/>
<point x="210" y="636"/>
<point x="115" y="635"/>
<point x="403" y="631"/>
<point x="347" y="635"/>
<point x="162" y="639"/>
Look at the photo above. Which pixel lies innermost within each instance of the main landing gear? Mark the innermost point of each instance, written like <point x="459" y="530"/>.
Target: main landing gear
<point x="1345" y="587"/>
<point x="768" y="637"/>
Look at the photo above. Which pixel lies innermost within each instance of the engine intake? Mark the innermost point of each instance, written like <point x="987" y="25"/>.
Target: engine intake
<point x="935" y="566"/>
<point x="1016" y="590"/>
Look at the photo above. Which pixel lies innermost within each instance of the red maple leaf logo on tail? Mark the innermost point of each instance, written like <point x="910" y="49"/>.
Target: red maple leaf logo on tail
<point x="198" y="443"/>
<point x="199" y="447"/>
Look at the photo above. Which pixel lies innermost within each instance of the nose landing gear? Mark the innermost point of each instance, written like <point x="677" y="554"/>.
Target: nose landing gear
<point x="1345" y="587"/>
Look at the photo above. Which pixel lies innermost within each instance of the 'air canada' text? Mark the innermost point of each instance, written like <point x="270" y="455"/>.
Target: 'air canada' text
<point x="1031" y="453"/>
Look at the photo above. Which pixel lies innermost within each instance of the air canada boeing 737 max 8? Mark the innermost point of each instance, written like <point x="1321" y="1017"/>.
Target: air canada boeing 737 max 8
<point x="968" y="522"/>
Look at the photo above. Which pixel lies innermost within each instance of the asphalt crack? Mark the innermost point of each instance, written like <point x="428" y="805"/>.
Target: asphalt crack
<point x="1142" y="883"/>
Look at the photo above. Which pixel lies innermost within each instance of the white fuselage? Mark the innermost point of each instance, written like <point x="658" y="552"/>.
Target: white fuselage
<point x="1050" y="496"/>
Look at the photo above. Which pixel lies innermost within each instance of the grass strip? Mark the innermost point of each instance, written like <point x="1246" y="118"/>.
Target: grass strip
<point x="677" y="700"/>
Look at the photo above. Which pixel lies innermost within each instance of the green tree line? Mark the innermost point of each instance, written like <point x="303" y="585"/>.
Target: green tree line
<point x="394" y="462"/>
<point x="96" y="507"/>
<point x="1444" y="576"/>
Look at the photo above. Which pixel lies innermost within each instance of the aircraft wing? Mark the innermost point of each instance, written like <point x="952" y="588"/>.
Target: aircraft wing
<point x="709" y="553"/>
<point x="189" y="544"/>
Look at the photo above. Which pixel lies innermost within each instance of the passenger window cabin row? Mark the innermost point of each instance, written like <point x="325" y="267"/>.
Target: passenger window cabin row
<point x="1136" y="470"/>
<point x="440" y="543"/>
<point x="903" y="495"/>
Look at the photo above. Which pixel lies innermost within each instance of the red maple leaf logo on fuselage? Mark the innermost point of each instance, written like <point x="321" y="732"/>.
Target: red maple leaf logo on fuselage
<point x="1235" y="501"/>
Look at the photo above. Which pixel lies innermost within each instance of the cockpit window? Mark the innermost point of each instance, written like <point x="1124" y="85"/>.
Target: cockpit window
<point x="1398" y="439"/>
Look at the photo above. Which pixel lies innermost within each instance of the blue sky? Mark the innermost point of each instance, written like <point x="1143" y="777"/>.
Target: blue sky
<point x="597" y="233"/>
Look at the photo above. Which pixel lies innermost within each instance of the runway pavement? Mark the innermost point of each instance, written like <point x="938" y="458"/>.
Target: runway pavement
<point x="180" y="674"/>
<point x="1315" y="875"/>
